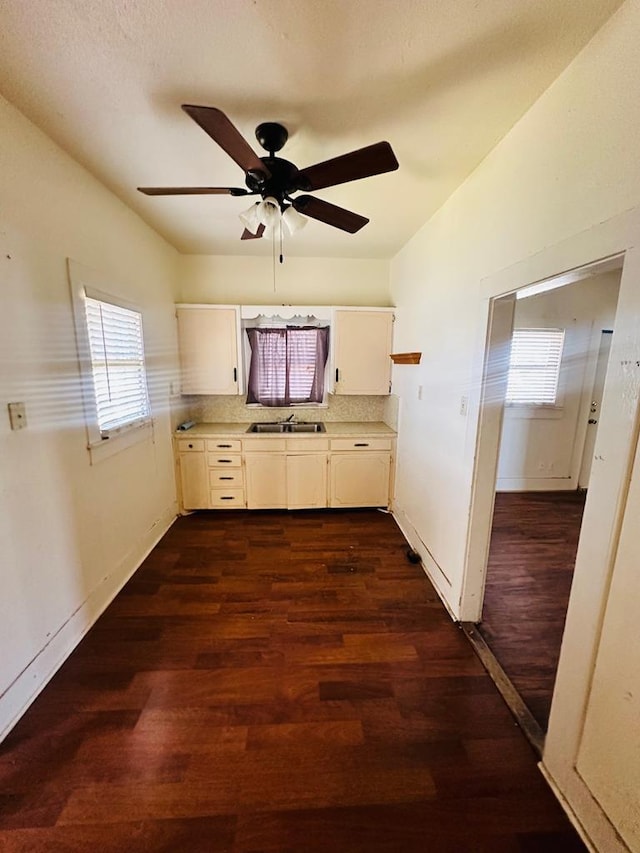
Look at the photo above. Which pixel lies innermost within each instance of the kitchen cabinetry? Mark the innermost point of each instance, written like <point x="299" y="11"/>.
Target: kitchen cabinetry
<point x="208" y="344"/>
<point x="192" y="466"/>
<point x="361" y="351"/>
<point x="266" y="479"/>
<point x="306" y="480"/>
<point x="210" y="473"/>
<point x="286" y="473"/>
<point x="359" y="472"/>
<point x="278" y="472"/>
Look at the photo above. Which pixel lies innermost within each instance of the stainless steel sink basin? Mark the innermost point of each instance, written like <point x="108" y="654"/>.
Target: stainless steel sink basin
<point x="314" y="426"/>
<point x="267" y="428"/>
<point x="300" y="426"/>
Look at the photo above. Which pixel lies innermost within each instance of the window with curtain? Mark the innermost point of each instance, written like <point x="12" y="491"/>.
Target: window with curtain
<point x="117" y="365"/>
<point x="287" y="365"/>
<point x="534" y="367"/>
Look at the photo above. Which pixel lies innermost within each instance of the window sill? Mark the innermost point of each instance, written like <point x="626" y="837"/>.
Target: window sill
<point x="531" y="410"/>
<point x="119" y="441"/>
<point x="286" y="408"/>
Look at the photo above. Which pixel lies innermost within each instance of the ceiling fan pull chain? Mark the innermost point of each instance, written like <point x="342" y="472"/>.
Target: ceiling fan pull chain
<point x="281" y="255"/>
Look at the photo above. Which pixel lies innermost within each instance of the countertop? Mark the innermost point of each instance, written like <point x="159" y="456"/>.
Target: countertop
<point x="333" y="429"/>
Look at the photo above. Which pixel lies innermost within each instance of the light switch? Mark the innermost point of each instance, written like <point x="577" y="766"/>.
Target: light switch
<point x="17" y="415"/>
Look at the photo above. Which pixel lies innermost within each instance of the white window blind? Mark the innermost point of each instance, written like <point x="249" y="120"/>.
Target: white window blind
<point x="117" y="365"/>
<point x="534" y="366"/>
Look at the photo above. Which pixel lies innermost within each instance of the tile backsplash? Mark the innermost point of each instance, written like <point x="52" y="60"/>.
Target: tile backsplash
<point x="233" y="409"/>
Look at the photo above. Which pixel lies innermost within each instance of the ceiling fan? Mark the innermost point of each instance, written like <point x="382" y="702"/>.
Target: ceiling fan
<point x="276" y="179"/>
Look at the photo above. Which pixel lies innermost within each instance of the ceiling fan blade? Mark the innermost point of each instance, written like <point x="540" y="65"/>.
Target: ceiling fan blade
<point x="214" y="122"/>
<point x="193" y="191"/>
<point x="363" y="163"/>
<point x="247" y="235"/>
<point x="323" y="211"/>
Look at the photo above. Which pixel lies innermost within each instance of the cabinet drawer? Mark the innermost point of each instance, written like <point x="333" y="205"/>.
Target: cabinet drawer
<point x="260" y="445"/>
<point x="310" y="444"/>
<point x="227" y="498"/>
<point x="224" y="460"/>
<point x="226" y="478"/>
<point x="361" y="444"/>
<point x="185" y="445"/>
<point x="227" y="445"/>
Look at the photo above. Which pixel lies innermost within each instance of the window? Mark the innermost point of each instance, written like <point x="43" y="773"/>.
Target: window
<point x="534" y="367"/>
<point x="287" y="365"/>
<point x="110" y="348"/>
<point x="117" y="365"/>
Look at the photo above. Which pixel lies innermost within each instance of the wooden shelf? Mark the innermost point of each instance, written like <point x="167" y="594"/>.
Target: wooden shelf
<point x="406" y="357"/>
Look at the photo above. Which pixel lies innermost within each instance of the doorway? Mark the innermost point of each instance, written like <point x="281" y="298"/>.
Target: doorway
<point x="543" y="456"/>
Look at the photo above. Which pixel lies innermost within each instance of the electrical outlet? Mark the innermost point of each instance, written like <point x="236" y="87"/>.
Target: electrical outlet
<point x="419" y="392"/>
<point x="17" y="415"/>
<point x="463" y="405"/>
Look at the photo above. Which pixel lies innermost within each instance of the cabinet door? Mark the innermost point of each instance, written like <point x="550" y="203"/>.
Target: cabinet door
<point x="207" y="338"/>
<point x="307" y="480"/>
<point x="362" y="346"/>
<point x="194" y="481"/>
<point x="266" y="480"/>
<point x="360" y="479"/>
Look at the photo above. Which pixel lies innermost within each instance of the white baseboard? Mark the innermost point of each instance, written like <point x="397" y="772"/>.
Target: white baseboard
<point x="567" y="808"/>
<point x="536" y="484"/>
<point x="37" y="674"/>
<point x="440" y="581"/>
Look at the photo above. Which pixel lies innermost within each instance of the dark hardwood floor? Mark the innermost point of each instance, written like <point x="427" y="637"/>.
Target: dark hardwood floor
<point x="531" y="560"/>
<point x="269" y="683"/>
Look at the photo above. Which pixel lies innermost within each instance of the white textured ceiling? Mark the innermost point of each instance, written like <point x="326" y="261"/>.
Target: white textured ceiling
<point x="441" y="80"/>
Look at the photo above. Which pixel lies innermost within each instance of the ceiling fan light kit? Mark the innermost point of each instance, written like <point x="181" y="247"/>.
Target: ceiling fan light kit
<point x="276" y="180"/>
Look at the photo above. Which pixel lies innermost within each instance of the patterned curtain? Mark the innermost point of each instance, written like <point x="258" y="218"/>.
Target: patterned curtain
<point x="287" y="365"/>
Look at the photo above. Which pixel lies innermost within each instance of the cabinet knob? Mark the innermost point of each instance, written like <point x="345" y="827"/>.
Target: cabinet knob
<point x="191" y="446"/>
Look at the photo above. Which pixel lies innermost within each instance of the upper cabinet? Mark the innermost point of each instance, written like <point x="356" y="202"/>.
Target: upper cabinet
<point x="208" y="342"/>
<point x="361" y="351"/>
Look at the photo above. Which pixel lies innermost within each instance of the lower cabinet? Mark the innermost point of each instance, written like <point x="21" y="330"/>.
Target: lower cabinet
<point x="193" y="479"/>
<point x="359" y="472"/>
<point x="266" y="475"/>
<point x="278" y="473"/>
<point x="306" y="480"/>
<point x="210" y="473"/>
<point x="286" y="481"/>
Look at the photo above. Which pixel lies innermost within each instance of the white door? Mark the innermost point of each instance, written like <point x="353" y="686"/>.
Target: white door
<point x="596" y="404"/>
<point x="609" y="752"/>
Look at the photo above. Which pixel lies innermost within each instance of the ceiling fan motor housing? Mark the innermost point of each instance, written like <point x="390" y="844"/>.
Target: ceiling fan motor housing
<point x="283" y="181"/>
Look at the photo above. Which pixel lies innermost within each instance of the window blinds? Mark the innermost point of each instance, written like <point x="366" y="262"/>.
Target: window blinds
<point x="534" y="366"/>
<point x="117" y="365"/>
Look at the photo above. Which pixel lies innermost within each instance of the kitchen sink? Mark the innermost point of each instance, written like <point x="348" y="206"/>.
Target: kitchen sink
<point x="299" y="426"/>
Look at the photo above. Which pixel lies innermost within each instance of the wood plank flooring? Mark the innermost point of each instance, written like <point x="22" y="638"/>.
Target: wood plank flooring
<point x="532" y="555"/>
<point x="269" y="683"/>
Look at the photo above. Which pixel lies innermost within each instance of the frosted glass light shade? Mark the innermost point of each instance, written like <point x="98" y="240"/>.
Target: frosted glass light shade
<point x="293" y="220"/>
<point x="269" y="212"/>
<point x="250" y="218"/>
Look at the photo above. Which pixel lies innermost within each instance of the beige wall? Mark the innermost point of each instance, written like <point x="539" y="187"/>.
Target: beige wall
<point x="70" y="532"/>
<point x="298" y="281"/>
<point x="562" y="189"/>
